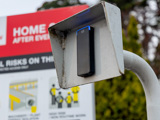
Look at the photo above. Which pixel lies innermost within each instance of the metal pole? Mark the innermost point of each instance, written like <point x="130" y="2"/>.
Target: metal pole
<point x="148" y="80"/>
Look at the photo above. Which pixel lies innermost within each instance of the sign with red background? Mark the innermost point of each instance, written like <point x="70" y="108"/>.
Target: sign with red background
<point x="28" y="33"/>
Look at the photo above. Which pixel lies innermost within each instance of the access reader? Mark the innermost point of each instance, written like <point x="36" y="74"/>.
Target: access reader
<point x="85" y="52"/>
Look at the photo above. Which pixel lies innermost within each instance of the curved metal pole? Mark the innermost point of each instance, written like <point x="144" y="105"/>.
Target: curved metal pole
<point x="149" y="82"/>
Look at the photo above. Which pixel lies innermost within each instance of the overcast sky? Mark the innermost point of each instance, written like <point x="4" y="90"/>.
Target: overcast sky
<point x="14" y="7"/>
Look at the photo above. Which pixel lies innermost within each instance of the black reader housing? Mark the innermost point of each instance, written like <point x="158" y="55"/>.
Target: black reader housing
<point x="85" y="52"/>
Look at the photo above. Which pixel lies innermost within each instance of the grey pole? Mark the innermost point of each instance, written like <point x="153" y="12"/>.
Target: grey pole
<point x="148" y="80"/>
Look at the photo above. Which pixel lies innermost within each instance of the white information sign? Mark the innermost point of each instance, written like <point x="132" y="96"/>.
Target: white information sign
<point x="29" y="87"/>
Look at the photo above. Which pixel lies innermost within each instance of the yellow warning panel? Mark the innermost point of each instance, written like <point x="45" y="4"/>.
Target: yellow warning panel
<point x="23" y="95"/>
<point x="23" y="84"/>
<point x="60" y="98"/>
<point x="33" y="109"/>
<point x="14" y="99"/>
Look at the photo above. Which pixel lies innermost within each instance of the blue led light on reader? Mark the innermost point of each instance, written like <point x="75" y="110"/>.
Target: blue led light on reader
<point x="89" y="28"/>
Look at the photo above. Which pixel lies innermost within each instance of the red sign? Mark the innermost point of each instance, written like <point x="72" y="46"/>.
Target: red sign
<point x="28" y="33"/>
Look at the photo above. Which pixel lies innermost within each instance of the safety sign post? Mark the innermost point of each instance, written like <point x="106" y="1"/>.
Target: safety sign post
<point x="149" y="82"/>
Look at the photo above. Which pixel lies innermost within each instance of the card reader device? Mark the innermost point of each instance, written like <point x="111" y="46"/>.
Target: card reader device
<point x="85" y="52"/>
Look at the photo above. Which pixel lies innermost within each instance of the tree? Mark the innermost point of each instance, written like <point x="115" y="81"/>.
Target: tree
<point x="58" y="3"/>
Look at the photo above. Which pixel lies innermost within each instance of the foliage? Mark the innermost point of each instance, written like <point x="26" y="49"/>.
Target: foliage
<point x="117" y="100"/>
<point x="59" y="3"/>
<point x="127" y="5"/>
<point x="130" y="38"/>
